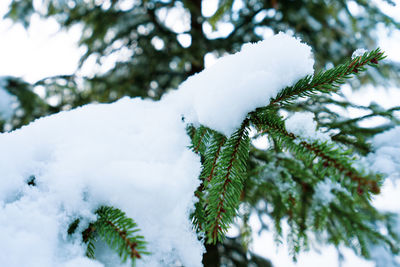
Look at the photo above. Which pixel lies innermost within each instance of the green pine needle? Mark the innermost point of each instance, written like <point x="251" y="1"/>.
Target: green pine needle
<point x="327" y="81"/>
<point x="225" y="187"/>
<point x="118" y="231"/>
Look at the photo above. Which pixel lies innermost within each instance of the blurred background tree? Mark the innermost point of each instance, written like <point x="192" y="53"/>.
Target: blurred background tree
<point x="156" y="44"/>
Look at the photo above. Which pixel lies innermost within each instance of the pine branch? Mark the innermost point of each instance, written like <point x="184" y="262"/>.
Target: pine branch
<point x="200" y="138"/>
<point x="349" y="131"/>
<point x="295" y="201"/>
<point x="211" y="156"/>
<point x="360" y="226"/>
<point x="330" y="156"/>
<point x="225" y="187"/>
<point x="118" y="231"/>
<point x="327" y="81"/>
<point x="214" y="152"/>
<point x="88" y="237"/>
<point x="224" y="161"/>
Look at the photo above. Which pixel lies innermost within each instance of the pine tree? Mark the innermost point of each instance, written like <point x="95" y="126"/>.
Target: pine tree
<point x="236" y="173"/>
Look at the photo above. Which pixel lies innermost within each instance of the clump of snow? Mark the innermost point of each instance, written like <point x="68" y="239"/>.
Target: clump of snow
<point x="6" y="102"/>
<point x="323" y="192"/>
<point x="358" y="53"/>
<point x="386" y="156"/>
<point x="383" y="257"/>
<point x="381" y="253"/>
<point x="303" y="124"/>
<point x="133" y="155"/>
<point x="221" y="96"/>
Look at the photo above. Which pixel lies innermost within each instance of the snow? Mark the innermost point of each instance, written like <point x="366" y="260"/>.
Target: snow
<point x="221" y="96"/>
<point x="385" y="159"/>
<point x="132" y="154"/>
<point x="303" y="124"/>
<point x="6" y="101"/>
<point x="386" y="156"/>
<point x="323" y="192"/>
<point x="383" y="257"/>
<point x="358" y="53"/>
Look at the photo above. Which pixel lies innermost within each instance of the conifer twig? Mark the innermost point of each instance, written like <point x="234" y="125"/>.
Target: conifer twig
<point x="225" y="188"/>
<point x="212" y="154"/>
<point x="203" y="132"/>
<point x="328" y="161"/>
<point x="118" y="231"/>
<point x="327" y="81"/>
<point x="214" y="164"/>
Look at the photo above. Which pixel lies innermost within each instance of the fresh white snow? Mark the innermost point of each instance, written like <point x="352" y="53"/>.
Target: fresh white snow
<point x="221" y="96"/>
<point x="323" y="192"/>
<point x="358" y="52"/>
<point x="386" y="156"/>
<point x="303" y="124"/>
<point x="133" y="155"/>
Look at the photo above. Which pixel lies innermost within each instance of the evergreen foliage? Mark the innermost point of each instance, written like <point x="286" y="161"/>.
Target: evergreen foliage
<point x="300" y="166"/>
<point x="117" y="230"/>
<point x="327" y="81"/>
<point x="238" y="179"/>
<point x="348" y="220"/>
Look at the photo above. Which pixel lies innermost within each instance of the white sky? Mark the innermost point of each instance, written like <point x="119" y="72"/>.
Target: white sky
<point x="42" y="51"/>
<point x="45" y="51"/>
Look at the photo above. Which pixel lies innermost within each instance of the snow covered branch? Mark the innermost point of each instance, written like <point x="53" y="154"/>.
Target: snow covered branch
<point x="161" y="163"/>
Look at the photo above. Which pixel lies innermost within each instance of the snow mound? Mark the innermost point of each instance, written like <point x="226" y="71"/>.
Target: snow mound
<point x="303" y="124"/>
<point x="133" y="155"/>
<point x="221" y="96"/>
